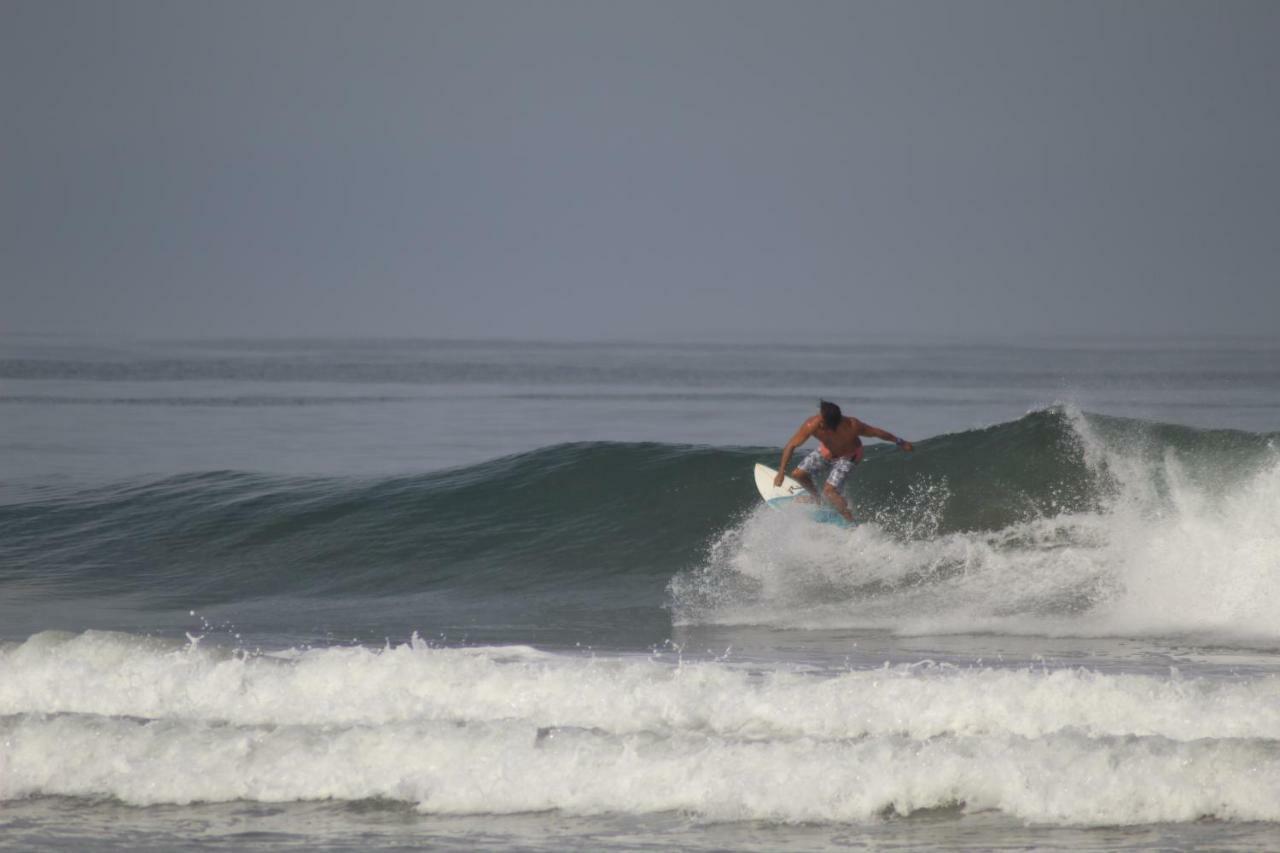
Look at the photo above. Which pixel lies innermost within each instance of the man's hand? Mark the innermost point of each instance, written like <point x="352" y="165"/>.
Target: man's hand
<point x="907" y="446"/>
<point x="777" y="481"/>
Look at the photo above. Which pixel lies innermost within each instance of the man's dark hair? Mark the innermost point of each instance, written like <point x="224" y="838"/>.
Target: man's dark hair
<point x="831" y="414"/>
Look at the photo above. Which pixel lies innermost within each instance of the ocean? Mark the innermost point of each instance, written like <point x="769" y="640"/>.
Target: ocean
<point x="392" y="594"/>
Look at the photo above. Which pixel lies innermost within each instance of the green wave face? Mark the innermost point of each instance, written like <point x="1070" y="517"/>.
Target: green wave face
<point x="662" y="523"/>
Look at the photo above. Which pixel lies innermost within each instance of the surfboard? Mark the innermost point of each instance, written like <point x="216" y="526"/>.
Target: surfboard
<point x="779" y="497"/>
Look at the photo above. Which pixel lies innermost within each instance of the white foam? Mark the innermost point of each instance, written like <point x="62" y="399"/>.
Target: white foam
<point x="117" y="675"/>
<point x="506" y="730"/>
<point x="504" y="768"/>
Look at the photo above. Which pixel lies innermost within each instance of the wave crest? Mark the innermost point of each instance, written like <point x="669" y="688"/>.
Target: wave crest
<point x="1140" y="528"/>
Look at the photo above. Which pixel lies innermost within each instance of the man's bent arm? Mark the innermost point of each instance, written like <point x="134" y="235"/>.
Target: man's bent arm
<point x="802" y="435"/>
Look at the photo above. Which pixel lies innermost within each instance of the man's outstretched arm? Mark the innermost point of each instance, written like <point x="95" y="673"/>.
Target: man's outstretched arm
<point x="883" y="435"/>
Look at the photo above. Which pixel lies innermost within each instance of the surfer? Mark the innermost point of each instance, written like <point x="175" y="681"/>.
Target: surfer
<point x="839" y="449"/>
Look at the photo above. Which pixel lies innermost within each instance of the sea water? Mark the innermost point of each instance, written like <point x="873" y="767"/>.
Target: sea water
<point x="357" y="595"/>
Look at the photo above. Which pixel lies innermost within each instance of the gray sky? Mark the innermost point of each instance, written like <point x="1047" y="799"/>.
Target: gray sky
<point x="643" y="169"/>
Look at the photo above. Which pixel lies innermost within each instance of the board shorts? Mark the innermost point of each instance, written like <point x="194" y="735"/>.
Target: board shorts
<point x="817" y="466"/>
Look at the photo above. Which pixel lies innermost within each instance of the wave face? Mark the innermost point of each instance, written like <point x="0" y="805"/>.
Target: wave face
<point x="511" y="729"/>
<point x="1059" y="522"/>
<point x="569" y="512"/>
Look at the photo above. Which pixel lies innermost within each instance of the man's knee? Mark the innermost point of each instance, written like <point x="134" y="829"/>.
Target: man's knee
<point x="831" y="491"/>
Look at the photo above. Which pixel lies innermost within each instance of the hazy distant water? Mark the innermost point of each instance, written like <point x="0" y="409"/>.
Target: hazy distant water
<point x="394" y="407"/>
<point x="354" y="595"/>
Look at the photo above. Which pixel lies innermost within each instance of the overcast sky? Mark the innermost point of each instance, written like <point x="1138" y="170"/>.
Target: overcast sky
<point x="642" y="169"/>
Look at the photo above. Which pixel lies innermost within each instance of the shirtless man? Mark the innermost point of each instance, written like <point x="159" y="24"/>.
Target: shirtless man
<point x="840" y="448"/>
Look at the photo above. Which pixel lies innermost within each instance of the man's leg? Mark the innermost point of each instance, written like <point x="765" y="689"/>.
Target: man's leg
<point x="837" y="501"/>
<point x="803" y="474"/>
<point x="802" y="477"/>
<point x="833" y="491"/>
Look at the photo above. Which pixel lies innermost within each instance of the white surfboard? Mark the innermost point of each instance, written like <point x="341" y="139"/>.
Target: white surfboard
<point x="779" y="496"/>
<point x="776" y="496"/>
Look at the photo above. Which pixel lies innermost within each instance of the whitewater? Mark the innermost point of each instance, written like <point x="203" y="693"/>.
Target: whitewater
<point x="512" y="729"/>
<point x="223" y="626"/>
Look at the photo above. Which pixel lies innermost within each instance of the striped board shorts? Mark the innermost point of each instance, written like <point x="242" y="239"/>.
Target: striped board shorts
<point x="817" y="466"/>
